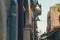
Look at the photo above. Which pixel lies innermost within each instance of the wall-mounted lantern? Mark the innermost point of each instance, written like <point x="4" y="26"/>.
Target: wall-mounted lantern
<point x="37" y="8"/>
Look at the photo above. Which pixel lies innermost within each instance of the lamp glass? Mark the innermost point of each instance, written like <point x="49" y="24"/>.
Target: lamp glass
<point x="37" y="7"/>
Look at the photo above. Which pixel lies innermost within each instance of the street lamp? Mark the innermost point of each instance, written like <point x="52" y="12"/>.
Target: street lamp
<point x="37" y="19"/>
<point x="37" y="8"/>
<point x="24" y="10"/>
<point x="36" y="12"/>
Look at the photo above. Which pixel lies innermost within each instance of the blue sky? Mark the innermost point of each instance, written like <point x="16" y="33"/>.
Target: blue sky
<point x="46" y="4"/>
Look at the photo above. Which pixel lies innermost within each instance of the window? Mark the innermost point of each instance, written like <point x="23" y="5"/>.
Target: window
<point x="59" y="9"/>
<point x="59" y="18"/>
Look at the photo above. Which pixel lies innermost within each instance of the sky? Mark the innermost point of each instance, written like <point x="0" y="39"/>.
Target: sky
<point x="46" y="4"/>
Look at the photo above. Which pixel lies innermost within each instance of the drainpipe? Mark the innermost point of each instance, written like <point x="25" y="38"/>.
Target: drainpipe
<point x="20" y="20"/>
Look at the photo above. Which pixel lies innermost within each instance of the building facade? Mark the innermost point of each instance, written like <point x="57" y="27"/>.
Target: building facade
<point x="53" y="20"/>
<point x="53" y="23"/>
